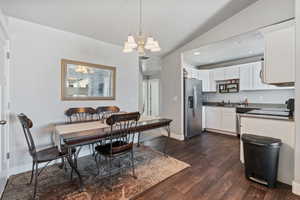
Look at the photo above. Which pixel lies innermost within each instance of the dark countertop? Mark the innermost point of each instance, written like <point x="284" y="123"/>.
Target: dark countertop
<point x="250" y="105"/>
<point x="267" y="116"/>
<point x="257" y="110"/>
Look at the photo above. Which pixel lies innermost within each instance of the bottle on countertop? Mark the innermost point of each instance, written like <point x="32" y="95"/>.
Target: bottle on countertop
<point x="246" y="102"/>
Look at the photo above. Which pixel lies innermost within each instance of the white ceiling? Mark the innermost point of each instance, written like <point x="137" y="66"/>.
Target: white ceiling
<point x="172" y="22"/>
<point x="243" y="46"/>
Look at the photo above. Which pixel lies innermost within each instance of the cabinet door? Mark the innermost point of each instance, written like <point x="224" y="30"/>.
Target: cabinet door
<point x="257" y="78"/>
<point x="219" y="74"/>
<point x="204" y="76"/>
<point x="229" y="120"/>
<point x="279" y="65"/>
<point x="213" y="116"/>
<point x="232" y="73"/>
<point x="246" y="81"/>
<point x="212" y="82"/>
<point x="194" y="74"/>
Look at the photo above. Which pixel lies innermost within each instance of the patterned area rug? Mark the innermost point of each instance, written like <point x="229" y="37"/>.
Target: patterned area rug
<point x="151" y="167"/>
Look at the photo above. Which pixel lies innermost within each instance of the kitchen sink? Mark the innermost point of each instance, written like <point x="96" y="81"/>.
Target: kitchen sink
<point x="244" y="109"/>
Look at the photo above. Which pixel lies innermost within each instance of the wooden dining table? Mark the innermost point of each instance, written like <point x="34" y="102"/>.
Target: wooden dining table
<point x="86" y="133"/>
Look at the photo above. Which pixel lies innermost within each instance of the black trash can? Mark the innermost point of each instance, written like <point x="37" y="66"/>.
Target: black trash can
<point x="261" y="155"/>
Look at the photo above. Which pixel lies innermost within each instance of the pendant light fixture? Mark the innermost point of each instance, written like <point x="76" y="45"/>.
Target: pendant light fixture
<point x="141" y="42"/>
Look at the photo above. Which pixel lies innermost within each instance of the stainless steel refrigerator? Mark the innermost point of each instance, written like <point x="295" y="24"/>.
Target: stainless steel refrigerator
<point x="193" y="100"/>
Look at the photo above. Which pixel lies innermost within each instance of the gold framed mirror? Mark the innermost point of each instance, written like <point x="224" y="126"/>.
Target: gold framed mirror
<point x="87" y="81"/>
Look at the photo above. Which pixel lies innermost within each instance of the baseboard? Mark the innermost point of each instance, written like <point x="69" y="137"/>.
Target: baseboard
<point x="173" y="135"/>
<point x="296" y="188"/>
<point x="220" y="131"/>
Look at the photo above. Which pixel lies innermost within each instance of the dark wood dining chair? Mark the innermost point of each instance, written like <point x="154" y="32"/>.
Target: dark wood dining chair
<point x="75" y="115"/>
<point x="120" y="141"/>
<point x="104" y="112"/>
<point x="42" y="156"/>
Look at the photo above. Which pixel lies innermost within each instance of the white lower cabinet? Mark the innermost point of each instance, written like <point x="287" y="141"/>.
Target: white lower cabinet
<point x="228" y="120"/>
<point x="281" y="129"/>
<point x="220" y="118"/>
<point x="213" y="117"/>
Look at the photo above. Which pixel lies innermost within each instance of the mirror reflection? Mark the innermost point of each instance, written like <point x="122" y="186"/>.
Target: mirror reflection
<point x="87" y="81"/>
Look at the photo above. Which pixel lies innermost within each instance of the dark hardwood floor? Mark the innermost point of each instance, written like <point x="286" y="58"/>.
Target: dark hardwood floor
<point x="215" y="173"/>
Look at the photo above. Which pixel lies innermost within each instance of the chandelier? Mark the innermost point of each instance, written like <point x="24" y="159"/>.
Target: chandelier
<point x="141" y="42"/>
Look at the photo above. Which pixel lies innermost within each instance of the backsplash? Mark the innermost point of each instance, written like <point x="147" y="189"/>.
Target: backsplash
<point x="258" y="96"/>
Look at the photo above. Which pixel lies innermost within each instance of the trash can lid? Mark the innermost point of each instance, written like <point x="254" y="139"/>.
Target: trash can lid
<point x="261" y="140"/>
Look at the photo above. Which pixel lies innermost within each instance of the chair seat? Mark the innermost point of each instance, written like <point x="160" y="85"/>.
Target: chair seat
<point x="52" y="153"/>
<point x="118" y="147"/>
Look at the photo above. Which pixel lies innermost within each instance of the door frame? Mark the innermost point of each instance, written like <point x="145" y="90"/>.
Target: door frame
<point x="4" y="42"/>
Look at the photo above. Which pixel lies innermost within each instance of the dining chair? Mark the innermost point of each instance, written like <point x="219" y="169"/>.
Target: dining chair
<point x="120" y="140"/>
<point x="75" y="115"/>
<point x="43" y="156"/>
<point x="104" y="112"/>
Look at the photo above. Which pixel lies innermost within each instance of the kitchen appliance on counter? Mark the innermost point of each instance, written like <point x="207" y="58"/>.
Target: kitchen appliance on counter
<point x="193" y="100"/>
<point x="290" y="104"/>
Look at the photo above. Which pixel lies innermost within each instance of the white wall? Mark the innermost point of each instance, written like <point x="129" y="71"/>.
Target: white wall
<point x="259" y="14"/>
<point x="35" y="79"/>
<point x="260" y="96"/>
<point x="296" y="183"/>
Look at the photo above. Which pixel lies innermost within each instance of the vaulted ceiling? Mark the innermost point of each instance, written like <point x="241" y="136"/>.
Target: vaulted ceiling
<point x="172" y="22"/>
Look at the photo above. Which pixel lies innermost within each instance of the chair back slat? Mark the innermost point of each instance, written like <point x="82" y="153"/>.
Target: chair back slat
<point x="122" y="128"/>
<point x="104" y="112"/>
<point x="27" y="125"/>
<point x="80" y="114"/>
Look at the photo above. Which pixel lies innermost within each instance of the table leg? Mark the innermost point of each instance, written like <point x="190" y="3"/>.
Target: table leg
<point x="139" y="137"/>
<point x="167" y="139"/>
<point x="70" y="160"/>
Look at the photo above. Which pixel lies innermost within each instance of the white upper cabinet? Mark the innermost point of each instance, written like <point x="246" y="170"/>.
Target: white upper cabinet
<point x="208" y="83"/>
<point x="232" y="72"/>
<point x="246" y="76"/>
<point x="226" y="73"/>
<point x="219" y="74"/>
<point x="212" y="82"/>
<point x="251" y="78"/>
<point x="192" y="73"/>
<point x="279" y="65"/>
<point x="204" y="76"/>
<point x="258" y="79"/>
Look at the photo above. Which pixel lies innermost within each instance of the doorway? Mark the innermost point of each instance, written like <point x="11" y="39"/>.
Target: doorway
<point x="4" y="140"/>
<point x="151" y="97"/>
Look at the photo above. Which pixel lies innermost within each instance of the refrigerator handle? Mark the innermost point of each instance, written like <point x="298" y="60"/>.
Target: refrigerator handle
<point x="195" y="97"/>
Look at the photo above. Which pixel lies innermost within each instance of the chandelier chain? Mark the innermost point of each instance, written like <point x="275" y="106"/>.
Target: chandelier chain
<point x="140" y="26"/>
